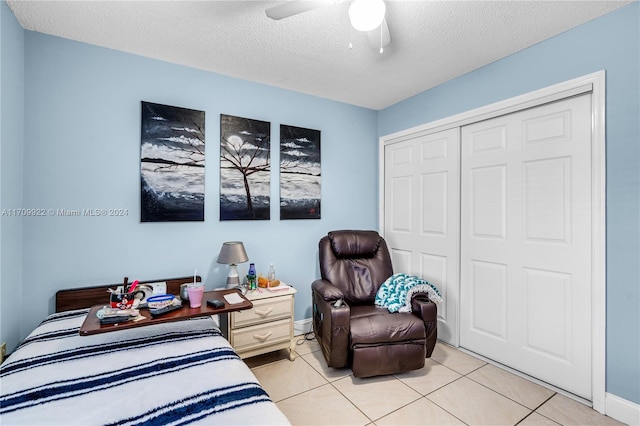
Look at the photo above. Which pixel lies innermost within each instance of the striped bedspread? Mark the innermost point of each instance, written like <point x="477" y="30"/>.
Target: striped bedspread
<point x="175" y="373"/>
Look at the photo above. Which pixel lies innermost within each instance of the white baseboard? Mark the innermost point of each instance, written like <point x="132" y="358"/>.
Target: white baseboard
<point x="622" y="410"/>
<point x="301" y="327"/>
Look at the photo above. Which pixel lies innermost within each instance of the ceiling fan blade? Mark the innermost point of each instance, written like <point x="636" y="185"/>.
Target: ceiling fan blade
<point x="295" y="7"/>
<point x="377" y="40"/>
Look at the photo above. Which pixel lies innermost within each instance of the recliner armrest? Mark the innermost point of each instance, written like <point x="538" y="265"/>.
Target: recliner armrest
<point x="326" y="290"/>
<point x="331" y="325"/>
<point x="428" y="311"/>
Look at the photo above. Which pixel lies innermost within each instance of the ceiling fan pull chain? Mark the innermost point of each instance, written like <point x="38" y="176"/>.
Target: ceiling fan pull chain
<point x="350" y="37"/>
<point x="381" y="49"/>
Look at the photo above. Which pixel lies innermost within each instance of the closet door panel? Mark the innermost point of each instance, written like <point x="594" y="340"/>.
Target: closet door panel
<point x="525" y="297"/>
<point x="422" y="213"/>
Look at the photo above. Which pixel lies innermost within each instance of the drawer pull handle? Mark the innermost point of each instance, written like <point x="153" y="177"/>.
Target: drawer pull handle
<point x="263" y="337"/>
<point x="264" y="313"/>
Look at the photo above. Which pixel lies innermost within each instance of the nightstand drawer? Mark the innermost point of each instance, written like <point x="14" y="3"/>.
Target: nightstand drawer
<point x="263" y="310"/>
<point x="261" y="335"/>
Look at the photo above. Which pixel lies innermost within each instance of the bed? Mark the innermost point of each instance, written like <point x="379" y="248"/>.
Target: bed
<point x="182" y="372"/>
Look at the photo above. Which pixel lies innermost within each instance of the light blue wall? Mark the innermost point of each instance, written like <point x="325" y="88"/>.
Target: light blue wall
<point x="81" y="126"/>
<point x="82" y="150"/>
<point x="11" y="139"/>
<point x="611" y="43"/>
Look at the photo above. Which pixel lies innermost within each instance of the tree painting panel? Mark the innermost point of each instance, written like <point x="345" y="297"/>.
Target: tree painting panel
<point x="171" y="164"/>
<point x="245" y="168"/>
<point x="299" y="173"/>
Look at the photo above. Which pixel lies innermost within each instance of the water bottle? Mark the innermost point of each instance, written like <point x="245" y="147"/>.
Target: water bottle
<point x="251" y="277"/>
<point x="271" y="276"/>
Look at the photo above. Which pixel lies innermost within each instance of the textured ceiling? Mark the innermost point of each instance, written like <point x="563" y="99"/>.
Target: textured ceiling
<point x="432" y="41"/>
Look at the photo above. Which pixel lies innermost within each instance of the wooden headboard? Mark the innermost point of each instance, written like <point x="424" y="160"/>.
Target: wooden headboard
<point x="85" y="297"/>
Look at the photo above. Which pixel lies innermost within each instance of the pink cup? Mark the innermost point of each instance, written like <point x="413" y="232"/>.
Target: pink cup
<point x="195" y="295"/>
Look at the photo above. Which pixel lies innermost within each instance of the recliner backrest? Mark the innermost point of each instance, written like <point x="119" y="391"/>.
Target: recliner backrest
<point x="357" y="262"/>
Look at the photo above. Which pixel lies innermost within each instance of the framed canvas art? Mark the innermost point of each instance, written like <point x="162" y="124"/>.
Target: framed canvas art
<point x="299" y="173"/>
<point x="245" y="168"/>
<point x="171" y="164"/>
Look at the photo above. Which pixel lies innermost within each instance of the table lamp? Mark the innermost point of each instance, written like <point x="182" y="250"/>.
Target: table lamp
<point x="232" y="253"/>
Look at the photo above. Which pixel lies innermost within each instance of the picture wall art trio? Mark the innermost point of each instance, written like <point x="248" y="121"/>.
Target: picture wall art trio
<point x="172" y="165"/>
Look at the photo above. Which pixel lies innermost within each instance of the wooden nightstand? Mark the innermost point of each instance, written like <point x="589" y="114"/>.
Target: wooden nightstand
<point x="266" y="327"/>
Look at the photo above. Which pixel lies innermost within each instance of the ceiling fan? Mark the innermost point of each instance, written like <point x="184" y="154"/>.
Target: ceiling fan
<point x="365" y="15"/>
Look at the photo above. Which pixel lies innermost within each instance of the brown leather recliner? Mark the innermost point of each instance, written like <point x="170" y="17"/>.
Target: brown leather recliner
<point x="358" y="334"/>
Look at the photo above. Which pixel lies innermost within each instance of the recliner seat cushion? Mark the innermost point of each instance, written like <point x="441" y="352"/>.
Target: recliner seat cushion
<point x="380" y="327"/>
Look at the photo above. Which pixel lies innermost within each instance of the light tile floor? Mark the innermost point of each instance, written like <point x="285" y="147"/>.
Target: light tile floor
<point x="453" y="388"/>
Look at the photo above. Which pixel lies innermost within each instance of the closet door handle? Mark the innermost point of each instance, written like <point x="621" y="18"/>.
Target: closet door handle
<point x="263" y="337"/>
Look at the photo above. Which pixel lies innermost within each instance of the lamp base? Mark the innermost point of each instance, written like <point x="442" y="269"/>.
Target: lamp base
<point x="233" y="280"/>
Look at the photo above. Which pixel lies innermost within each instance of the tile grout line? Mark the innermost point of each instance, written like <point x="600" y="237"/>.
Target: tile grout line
<point x="310" y="389"/>
<point x="531" y="411"/>
<point x="438" y="405"/>
<point x="544" y="402"/>
<point x="350" y="402"/>
<point x="396" y="378"/>
<point x="481" y="384"/>
<point x="502" y="395"/>
<point x="363" y="413"/>
<point x="421" y="395"/>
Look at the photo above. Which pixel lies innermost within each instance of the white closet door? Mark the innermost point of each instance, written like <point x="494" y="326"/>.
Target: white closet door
<point x="526" y="242"/>
<point x="422" y="215"/>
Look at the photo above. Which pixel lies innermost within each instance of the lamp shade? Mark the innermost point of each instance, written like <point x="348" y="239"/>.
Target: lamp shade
<point x="232" y="253"/>
<point x="366" y="15"/>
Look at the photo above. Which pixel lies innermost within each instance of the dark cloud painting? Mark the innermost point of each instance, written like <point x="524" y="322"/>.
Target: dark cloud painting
<point x="171" y="164"/>
<point x="299" y="173"/>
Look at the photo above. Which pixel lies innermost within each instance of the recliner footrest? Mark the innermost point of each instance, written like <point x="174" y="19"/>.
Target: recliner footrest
<point x="378" y="360"/>
<point x="385" y="343"/>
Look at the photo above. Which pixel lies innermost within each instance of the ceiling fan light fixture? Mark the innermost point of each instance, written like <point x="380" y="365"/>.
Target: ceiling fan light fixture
<point x="366" y="15"/>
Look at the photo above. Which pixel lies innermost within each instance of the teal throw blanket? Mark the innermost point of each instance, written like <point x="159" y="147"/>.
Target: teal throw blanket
<point x="396" y="292"/>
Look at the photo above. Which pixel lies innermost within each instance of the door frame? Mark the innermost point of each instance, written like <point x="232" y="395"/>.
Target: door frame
<point x="591" y="83"/>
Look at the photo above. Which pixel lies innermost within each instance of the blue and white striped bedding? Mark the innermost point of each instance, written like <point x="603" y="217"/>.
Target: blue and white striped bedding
<point x="178" y="373"/>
